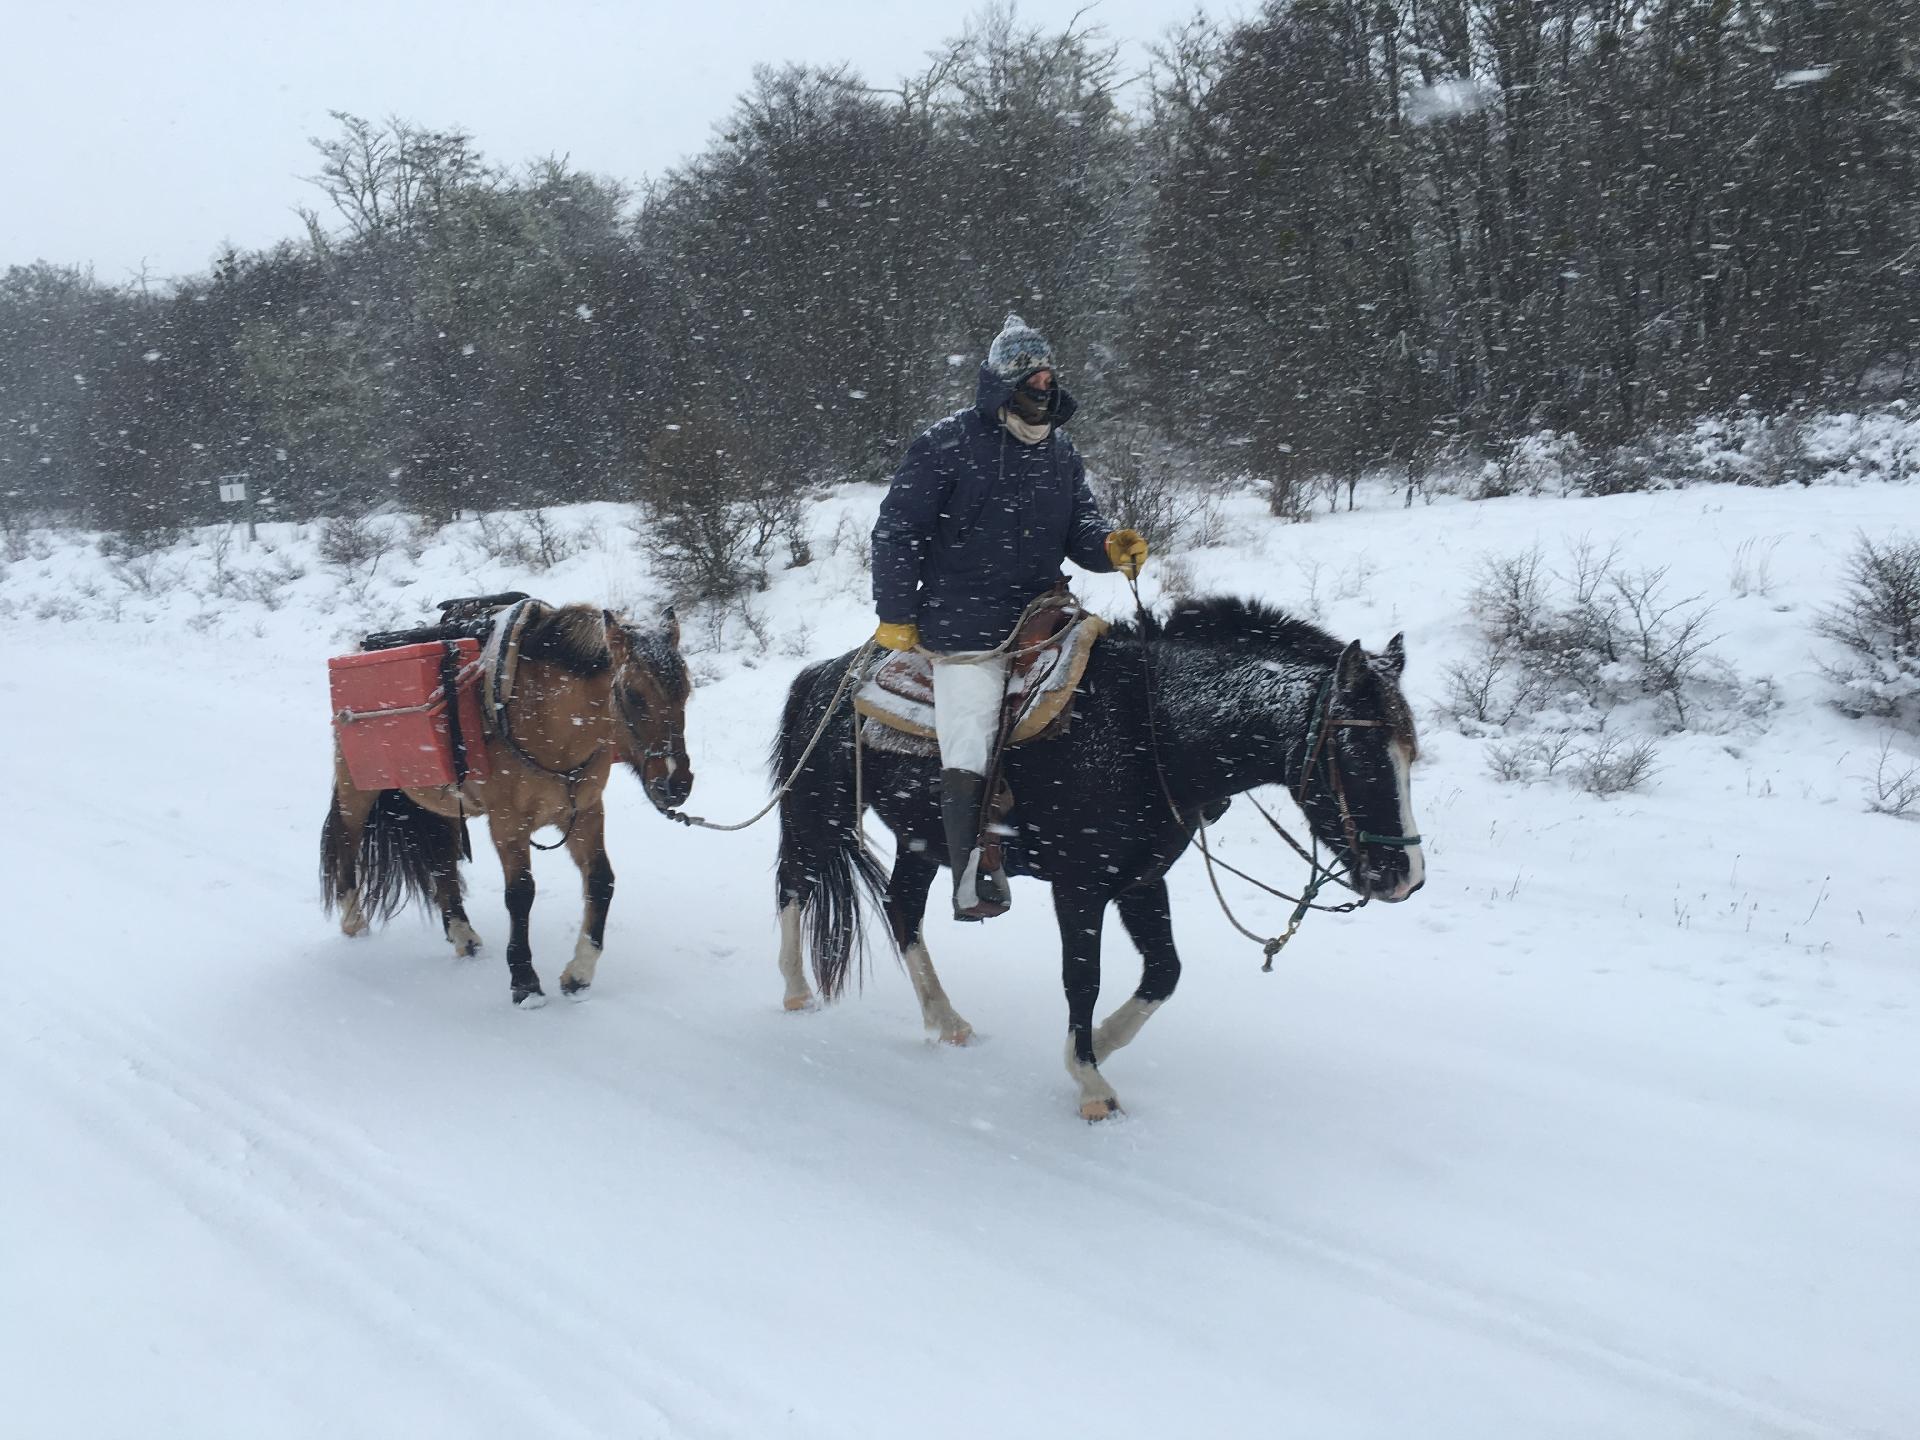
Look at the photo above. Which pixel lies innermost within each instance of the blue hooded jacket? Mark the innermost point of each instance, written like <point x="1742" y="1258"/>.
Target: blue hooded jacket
<point x="977" y="523"/>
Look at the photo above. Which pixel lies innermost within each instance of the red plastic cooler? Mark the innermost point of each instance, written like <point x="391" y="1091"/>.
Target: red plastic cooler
<point x="392" y="719"/>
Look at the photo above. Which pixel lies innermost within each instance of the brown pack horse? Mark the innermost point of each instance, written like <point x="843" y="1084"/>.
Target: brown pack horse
<point x="590" y="689"/>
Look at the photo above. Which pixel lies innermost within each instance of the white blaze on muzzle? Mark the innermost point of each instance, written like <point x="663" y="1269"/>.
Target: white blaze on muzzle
<point x="1403" y="788"/>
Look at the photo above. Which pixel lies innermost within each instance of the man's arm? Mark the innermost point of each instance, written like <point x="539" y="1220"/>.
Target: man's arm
<point x="1087" y="532"/>
<point x="909" y="518"/>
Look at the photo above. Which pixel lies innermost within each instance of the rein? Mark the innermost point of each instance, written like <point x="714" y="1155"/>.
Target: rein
<point x="1315" y="750"/>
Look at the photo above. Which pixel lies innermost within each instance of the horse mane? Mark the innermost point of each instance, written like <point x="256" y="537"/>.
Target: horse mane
<point x="572" y="638"/>
<point x="1220" y="621"/>
<point x="1229" y="620"/>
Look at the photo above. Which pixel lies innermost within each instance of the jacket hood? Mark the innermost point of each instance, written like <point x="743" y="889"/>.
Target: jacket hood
<point x="991" y="392"/>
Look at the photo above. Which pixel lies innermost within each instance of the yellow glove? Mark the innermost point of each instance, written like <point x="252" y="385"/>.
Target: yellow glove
<point x="894" y="636"/>
<point x="1127" y="549"/>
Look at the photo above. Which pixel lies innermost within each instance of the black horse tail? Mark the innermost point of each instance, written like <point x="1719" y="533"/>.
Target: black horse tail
<point x="823" y="867"/>
<point x="404" y="849"/>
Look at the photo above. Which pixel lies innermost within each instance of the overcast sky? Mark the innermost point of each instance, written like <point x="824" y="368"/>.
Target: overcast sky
<point x="155" y="132"/>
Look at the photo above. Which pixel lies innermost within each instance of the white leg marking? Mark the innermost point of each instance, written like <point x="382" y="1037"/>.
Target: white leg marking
<point x="579" y="972"/>
<point x="464" y="939"/>
<point x="1118" y="1029"/>
<point x="793" y="967"/>
<point x="1097" y="1100"/>
<point x="936" y="1011"/>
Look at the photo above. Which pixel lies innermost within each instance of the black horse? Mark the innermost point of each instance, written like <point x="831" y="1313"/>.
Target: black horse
<point x="1242" y="696"/>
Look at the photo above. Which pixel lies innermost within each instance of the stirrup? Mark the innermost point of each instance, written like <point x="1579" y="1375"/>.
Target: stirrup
<point x="988" y="888"/>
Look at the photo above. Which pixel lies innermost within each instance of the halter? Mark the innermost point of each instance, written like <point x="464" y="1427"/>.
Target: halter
<point x="660" y="751"/>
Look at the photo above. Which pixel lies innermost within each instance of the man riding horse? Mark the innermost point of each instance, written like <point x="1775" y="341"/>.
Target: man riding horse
<point x="985" y="507"/>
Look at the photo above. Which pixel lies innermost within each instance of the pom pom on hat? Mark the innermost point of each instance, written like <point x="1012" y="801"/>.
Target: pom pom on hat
<point x="1018" y="350"/>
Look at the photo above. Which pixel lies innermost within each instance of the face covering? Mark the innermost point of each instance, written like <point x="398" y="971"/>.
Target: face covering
<point x="1032" y="405"/>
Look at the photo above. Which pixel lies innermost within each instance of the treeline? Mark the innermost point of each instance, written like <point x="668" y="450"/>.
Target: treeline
<point x="1345" y="233"/>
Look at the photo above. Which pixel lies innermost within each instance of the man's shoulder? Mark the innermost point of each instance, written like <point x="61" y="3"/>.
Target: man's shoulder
<point x="950" y="433"/>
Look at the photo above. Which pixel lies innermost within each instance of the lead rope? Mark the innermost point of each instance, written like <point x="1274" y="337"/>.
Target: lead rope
<point x="854" y="667"/>
<point x="1318" y="874"/>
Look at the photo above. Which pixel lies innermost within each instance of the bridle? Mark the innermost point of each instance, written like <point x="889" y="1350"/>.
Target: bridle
<point x="1315" y="752"/>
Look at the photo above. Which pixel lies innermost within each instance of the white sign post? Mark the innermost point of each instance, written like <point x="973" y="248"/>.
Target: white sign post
<point x="233" y="491"/>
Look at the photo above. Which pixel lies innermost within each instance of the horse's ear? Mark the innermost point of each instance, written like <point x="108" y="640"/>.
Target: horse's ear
<point x="1352" y="668"/>
<point x="673" y="627"/>
<point x="1396" y="656"/>
<point x="617" y="646"/>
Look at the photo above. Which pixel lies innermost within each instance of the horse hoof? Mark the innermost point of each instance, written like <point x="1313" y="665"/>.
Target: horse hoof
<point x="796" y="1003"/>
<point x="574" y="989"/>
<point x="960" y="1035"/>
<point x="1094" y="1111"/>
<point x="529" y="999"/>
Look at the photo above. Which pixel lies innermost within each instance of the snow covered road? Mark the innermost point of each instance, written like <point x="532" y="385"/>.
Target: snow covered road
<point x="1603" y="1135"/>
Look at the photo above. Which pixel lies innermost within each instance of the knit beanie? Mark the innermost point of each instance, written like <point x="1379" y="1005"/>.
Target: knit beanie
<point x="1018" y="350"/>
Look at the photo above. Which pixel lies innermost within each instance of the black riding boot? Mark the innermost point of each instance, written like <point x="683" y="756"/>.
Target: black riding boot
<point x="977" y="894"/>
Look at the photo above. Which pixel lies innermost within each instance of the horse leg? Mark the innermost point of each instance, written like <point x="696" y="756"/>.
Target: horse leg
<point x="516" y="864"/>
<point x="1080" y="914"/>
<point x="1149" y="921"/>
<point x="347" y="814"/>
<point x="450" y="895"/>
<point x="587" y="844"/>
<point x="793" y="960"/>
<point x="791" y="882"/>
<point x="913" y="876"/>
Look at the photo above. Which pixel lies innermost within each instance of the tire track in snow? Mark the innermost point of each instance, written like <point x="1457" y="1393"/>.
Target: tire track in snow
<point x="1421" y="1290"/>
<point x="1415" y="1287"/>
<point x="520" y="1293"/>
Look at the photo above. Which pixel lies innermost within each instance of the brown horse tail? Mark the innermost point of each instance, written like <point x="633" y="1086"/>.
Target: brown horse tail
<point x="403" y="850"/>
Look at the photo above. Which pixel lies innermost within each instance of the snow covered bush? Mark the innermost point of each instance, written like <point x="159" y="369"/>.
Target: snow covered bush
<point x="1544" y="463"/>
<point x="1603" y="765"/>
<point x="1566" y="659"/>
<point x="1877" y="627"/>
<point x="1796" y="447"/>
<point x="1894" y="787"/>
<point x="531" y="540"/>
<point x="350" y="542"/>
<point x="137" y="558"/>
<point x="1139" y="483"/>
<point x="714" y="514"/>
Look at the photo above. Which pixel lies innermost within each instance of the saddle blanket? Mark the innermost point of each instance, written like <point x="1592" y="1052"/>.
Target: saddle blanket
<point x="898" y="695"/>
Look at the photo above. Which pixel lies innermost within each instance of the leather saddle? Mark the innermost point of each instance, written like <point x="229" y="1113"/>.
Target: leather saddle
<point x="1050" y="653"/>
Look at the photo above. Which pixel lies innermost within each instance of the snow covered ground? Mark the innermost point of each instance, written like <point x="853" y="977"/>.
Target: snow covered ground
<point x="1610" y="1132"/>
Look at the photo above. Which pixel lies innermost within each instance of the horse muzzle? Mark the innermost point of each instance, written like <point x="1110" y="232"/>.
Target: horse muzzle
<point x="668" y="780"/>
<point x="1398" y="878"/>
